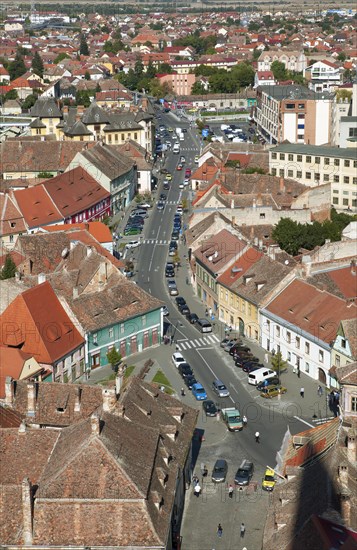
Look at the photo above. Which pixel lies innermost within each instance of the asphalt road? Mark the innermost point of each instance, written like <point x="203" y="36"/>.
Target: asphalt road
<point x="208" y="361"/>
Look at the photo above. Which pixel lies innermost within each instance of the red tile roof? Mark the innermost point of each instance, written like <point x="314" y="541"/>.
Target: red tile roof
<point x="37" y="207"/>
<point x="312" y="310"/>
<point x="219" y="251"/>
<point x="98" y="230"/>
<point x="248" y="258"/>
<point x="345" y="280"/>
<point x="12" y="362"/>
<point x="37" y="322"/>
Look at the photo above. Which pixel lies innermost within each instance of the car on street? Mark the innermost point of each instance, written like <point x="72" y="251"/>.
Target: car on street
<point x="186" y="182"/>
<point x="209" y="408"/>
<point x="166" y="186"/>
<point x="184" y="130"/>
<point x="181" y="185"/>
<point x="272" y="391"/>
<point x="273" y="381"/>
<point x="199" y="392"/>
<point x="182" y="159"/>
<point x="132" y="231"/>
<point x="179" y="209"/>
<point x="160" y="205"/>
<point x="241" y="361"/>
<point x="244" y="473"/>
<point x="180" y="300"/>
<point x="170" y="129"/>
<point x="196" y="159"/>
<point x="250" y="367"/>
<point x="169" y="176"/>
<point x="145" y="205"/>
<point x="269" y="480"/>
<point x="175" y="235"/>
<point x="185" y="370"/>
<point x="132" y="244"/>
<point x="225" y="341"/>
<point x="163" y="197"/>
<point x="192" y="318"/>
<point x="165" y="311"/>
<point x="188" y="173"/>
<point x="220" y="470"/>
<point x="142" y="212"/>
<point x="238" y="348"/>
<point x="219" y="388"/>
<point x="190" y="381"/>
<point x="172" y="251"/>
<point x="177" y="359"/>
<point x="184" y="309"/>
<point x="179" y="167"/>
<point x="173" y="244"/>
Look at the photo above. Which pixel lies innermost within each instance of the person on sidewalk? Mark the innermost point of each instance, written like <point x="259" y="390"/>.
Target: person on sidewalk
<point x="319" y="391"/>
<point x="266" y="358"/>
<point x="294" y="369"/>
<point x="298" y="372"/>
<point x="219" y="530"/>
<point x="302" y="392"/>
<point x="197" y="490"/>
<point x="244" y="420"/>
<point x="257" y="437"/>
<point x="230" y="491"/>
<point x="242" y="530"/>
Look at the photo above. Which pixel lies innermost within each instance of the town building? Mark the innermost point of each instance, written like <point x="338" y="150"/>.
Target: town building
<point x="293" y="113"/>
<point x="313" y="166"/>
<point x="264" y="78"/>
<point x="180" y="84"/>
<point x="323" y="76"/>
<point x="12" y="223"/>
<point x="344" y="118"/>
<point x="293" y="60"/>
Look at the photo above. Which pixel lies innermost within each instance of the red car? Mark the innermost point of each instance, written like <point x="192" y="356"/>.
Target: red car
<point x="179" y="167"/>
<point x="188" y="173"/>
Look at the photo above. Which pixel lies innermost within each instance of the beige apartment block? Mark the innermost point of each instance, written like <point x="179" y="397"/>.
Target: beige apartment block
<point x="313" y="166"/>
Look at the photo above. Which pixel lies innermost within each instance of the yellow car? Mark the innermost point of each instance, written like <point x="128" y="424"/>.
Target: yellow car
<point x="169" y="176"/>
<point x="272" y="391"/>
<point x="269" y="480"/>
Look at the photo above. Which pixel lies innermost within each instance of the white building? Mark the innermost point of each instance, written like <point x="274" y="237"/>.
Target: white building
<point x="323" y="76"/>
<point x="293" y="60"/>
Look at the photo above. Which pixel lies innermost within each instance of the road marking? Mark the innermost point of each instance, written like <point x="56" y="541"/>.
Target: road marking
<point x="304" y="422"/>
<point x="204" y="360"/>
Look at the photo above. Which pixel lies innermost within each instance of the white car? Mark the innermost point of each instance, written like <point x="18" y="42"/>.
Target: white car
<point x="145" y="205"/>
<point x="177" y="359"/>
<point x="186" y="182"/>
<point x="132" y="244"/>
<point x="181" y="185"/>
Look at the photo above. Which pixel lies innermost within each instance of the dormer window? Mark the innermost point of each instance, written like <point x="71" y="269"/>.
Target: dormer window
<point x="259" y="286"/>
<point x="247" y="279"/>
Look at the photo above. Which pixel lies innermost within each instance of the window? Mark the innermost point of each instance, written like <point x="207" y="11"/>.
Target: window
<point x="317" y="160"/>
<point x="346" y="179"/>
<point x="354" y="181"/>
<point x="336" y="162"/>
<point x="326" y="177"/>
<point x="352" y="132"/>
<point x="353" y="403"/>
<point x="307" y="367"/>
<point x="336" y="179"/>
<point x="143" y="320"/>
<point x="337" y="360"/>
<point x="299" y="158"/>
<point x="308" y="175"/>
<point x="273" y="155"/>
<point x="290" y="105"/>
<point x="273" y="171"/>
<point x="317" y="176"/>
<point x="299" y="174"/>
<point x="308" y="158"/>
<point x="345" y="202"/>
<point x="282" y="156"/>
<point x="111" y="332"/>
<point x="297" y="342"/>
<point x="122" y="328"/>
<point x="301" y="106"/>
<point x="347" y="163"/>
<point x="281" y="172"/>
<point x="288" y="357"/>
<point x="288" y="337"/>
<point x="290" y="157"/>
<point x="321" y="356"/>
<point x="326" y="161"/>
<point x="307" y="348"/>
<point x="290" y="173"/>
<point x="335" y="200"/>
<point x="277" y="329"/>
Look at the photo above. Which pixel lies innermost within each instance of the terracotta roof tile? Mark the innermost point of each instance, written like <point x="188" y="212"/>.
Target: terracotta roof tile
<point x="219" y="251"/>
<point x="37" y="207"/>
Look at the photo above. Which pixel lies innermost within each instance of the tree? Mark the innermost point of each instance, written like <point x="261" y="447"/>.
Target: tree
<point x="9" y="269"/>
<point x="87" y="75"/>
<point x="114" y="358"/>
<point x="150" y="70"/>
<point x="342" y="57"/>
<point x="61" y="57"/>
<point x="30" y="101"/>
<point x="278" y="364"/>
<point x="165" y="68"/>
<point x="256" y="54"/>
<point x="37" y="65"/>
<point x="198" y="89"/>
<point x="244" y="73"/>
<point x="138" y="68"/>
<point x="83" y="46"/>
<point x="278" y="70"/>
<point x="17" y="67"/>
<point x="11" y="94"/>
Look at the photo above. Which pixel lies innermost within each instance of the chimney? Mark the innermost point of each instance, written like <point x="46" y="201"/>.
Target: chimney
<point x="77" y="399"/>
<point x="26" y="512"/>
<point x="65" y="109"/>
<point x="109" y="398"/>
<point x="351" y="445"/>
<point x="343" y="474"/>
<point x="232" y="203"/>
<point x="80" y="109"/>
<point x="89" y="250"/>
<point x="41" y="278"/>
<point x="282" y="185"/>
<point x="119" y="380"/>
<point x="9" y="391"/>
<point x="95" y="424"/>
<point x="353" y="267"/>
<point x="144" y="104"/>
<point x="31" y="399"/>
<point x="22" y="428"/>
<point x="86" y="226"/>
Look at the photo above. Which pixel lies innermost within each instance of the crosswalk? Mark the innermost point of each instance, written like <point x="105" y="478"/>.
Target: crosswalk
<point x="155" y="241"/>
<point x="203" y="342"/>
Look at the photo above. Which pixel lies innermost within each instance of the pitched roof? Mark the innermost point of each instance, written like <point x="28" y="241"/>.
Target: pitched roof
<point x="11" y="220"/>
<point x="47" y="333"/>
<point x="314" y="311"/>
<point x="46" y="107"/>
<point x="107" y="159"/>
<point x="95" y="115"/>
<point x="74" y="191"/>
<point x="12" y="362"/>
<point x="97" y="229"/>
<point x="219" y="251"/>
<point x="240" y="266"/>
<point x="37" y="207"/>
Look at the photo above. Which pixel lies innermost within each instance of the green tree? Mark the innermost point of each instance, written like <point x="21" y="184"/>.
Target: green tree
<point x="83" y="97"/>
<point x="30" y="101"/>
<point x="11" y="94"/>
<point x="37" y="65"/>
<point x="278" y="70"/>
<point x="9" y="269"/>
<point x="138" y="68"/>
<point x="83" y="46"/>
<point x="342" y="57"/>
<point x="45" y="175"/>
<point x="151" y="70"/>
<point x="286" y="233"/>
<point x="256" y="54"/>
<point x="244" y="73"/>
<point x="198" y="89"/>
<point x="165" y="68"/>
<point x="278" y="364"/>
<point x="114" y="358"/>
<point x="87" y="75"/>
<point x="253" y="26"/>
<point x="17" y="67"/>
<point x="61" y="57"/>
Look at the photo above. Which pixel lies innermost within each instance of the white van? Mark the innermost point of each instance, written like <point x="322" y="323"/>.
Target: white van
<point x="176" y="148"/>
<point x="182" y="137"/>
<point x="260" y="375"/>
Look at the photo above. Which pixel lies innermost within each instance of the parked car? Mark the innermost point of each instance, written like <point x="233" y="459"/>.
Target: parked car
<point x="177" y="359"/>
<point x="199" y="392"/>
<point x="188" y="173"/>
<point x="219" y="472"/>
<point x="244" y="473"/>
<point x="132" y="231"/>
<point x="184" y="309"/>
<point x="209" y="408"/>
<point x="165" y="311"/>
<point x="175" y="235"/>
<point x="173" y="244"/>
<point x="274" y="381"/>
<point x="196" y="159"/>
<point x="219" y="388"/>
<point x="229" y="345"/>
<point x="192" y="318"/>
<point x="238" y="348"/>
<point x="225" y="341"/>
<point x="132" y="244"/>
<point x="250" y="367"/>
<point x="190" y="381"/>
<point x="241" y="361"/>
<point x="180" y="301"/>
<point x="272" y="391"/>
<point x="269" y="480"/>
<point x="185" y="370"/>
<point x="137" y="220"/>
<point x="169" y="272"/>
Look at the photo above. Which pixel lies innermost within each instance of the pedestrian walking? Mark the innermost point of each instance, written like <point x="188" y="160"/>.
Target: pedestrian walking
<point x="206" y="312"/>
<point x="197" y="490"/>
<point x="219" y="530"/>
<point x="319" y="391"/>
<point x="177" y="347"/>
<point x="302" y="392"/>
<point x="171" y="340"/>
<point x="266" y="358"/>
<point x="273" y="352"/>
<point x="242" y="530"/>
<point x="183" y="392"/>
<point x="294" y="369"/>
<point x="244" y="420"/>
<point x="257" y="437"/>
<point x="298" y="372"/>
<point x="210" y="312"/>
<point x="230" y="491"/>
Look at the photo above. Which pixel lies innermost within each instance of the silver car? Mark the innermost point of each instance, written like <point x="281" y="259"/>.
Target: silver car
<point x="219" y="388"/>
